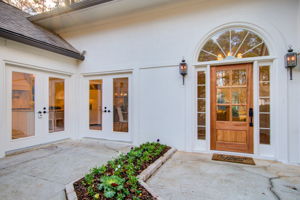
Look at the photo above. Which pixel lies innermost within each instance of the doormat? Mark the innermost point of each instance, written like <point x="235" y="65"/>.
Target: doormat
<point x="233" y="159"/>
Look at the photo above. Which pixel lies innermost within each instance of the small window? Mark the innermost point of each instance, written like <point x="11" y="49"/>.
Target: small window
<point x="201" y="108"/>
<point x="231" y="44"/>
<point x="264" y="105"/>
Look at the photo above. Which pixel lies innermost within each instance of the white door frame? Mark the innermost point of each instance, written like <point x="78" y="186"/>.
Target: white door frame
<point x="260" y="150"/>
<point x="42" y="134"/>
<point x="107" y="98"/>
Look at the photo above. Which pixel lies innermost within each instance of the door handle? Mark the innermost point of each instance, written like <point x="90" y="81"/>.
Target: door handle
<point x="40" y="116"/>
<point x="251" y="116"/>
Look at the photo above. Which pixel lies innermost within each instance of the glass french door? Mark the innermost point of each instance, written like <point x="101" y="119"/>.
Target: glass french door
<point x="109" y="107"/>
<point x="36" y="105"/>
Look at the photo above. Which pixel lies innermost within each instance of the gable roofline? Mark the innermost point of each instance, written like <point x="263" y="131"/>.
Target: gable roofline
<point x="39" y="44"/>
<point x="67" y="9"/>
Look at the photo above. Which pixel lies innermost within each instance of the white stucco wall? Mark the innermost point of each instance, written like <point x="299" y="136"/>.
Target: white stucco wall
<point x="24" y="56"/>
<point x="158" y="38"/>
<point x="151" y="43"/>
<point x="294" y="99"/>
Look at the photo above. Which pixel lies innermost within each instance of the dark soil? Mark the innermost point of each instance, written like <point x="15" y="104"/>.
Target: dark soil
<point x="82" y="193"/>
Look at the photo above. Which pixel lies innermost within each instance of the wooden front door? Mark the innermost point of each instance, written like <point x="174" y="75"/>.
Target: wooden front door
<point x="232" y="108"/>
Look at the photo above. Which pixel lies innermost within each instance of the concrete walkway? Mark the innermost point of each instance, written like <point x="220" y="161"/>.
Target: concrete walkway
<point x="42" y="174"/>
<point x="193" y="176"/>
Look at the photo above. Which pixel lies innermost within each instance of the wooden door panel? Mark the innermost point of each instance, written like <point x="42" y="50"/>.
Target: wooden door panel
<point x="232" y="136"/>
<point x="231" y="99"/>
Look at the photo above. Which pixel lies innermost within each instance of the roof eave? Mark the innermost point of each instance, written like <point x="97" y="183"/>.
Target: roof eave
<point x="63" y="10"/>
<point x="39" y="44"/>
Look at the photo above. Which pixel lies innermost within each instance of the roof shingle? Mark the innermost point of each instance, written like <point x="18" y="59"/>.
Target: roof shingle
<point x="13" y="20"/>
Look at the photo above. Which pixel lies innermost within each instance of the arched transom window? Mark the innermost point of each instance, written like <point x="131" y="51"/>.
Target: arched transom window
<point x="233" y="43"/>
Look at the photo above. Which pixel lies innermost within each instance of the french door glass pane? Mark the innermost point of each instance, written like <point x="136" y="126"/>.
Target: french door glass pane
<point x="23" y="113"/>
<point x="120" y="100"/>
<point x="95" y="104"/>
<point x="56" y="105"/>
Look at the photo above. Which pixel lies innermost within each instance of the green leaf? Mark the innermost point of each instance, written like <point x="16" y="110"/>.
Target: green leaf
<point x="109" y="193"/>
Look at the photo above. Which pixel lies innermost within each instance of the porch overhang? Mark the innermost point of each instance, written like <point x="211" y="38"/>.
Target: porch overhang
<point x="90" y="11"/>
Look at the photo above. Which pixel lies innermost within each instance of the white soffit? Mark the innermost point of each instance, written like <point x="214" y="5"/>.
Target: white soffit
<point x="98" y="12"/>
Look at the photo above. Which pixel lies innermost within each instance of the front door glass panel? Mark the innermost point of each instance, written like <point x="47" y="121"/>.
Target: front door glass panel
<point x="231" y="95"/>
<point x="95" y="104"/>
<point x="23" y="105"/>
<point x="120" y="102"/>
<point x="56" y="105"/>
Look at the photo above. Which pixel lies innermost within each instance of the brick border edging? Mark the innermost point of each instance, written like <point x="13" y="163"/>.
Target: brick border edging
<point x="143" y="177"/>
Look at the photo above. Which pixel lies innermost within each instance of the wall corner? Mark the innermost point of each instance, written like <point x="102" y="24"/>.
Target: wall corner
<point x="2" y="107"/>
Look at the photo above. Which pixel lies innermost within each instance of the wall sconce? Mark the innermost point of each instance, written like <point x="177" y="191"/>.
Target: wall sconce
<point x="183" y="69"/>
<point x="291" y="61"/>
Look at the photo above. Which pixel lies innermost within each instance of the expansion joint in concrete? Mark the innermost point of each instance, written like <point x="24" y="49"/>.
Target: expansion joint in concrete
<point x="271" y="188"/>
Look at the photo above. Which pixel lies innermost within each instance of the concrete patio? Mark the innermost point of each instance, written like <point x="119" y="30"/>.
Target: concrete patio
<point x="195" y="176"/>
<point x="42" y="174"/>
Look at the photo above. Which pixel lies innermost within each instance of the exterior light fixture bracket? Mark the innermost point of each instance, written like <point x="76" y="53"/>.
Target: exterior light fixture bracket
<point x="183" y="69"/>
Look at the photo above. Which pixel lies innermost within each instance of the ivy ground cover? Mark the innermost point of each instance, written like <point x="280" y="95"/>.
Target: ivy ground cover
<point x="118" y="178"/>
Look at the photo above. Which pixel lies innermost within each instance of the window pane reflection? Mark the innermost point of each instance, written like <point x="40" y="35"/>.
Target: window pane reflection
<point x="239" y="95"/>
<point x="120" y="104"/>
<point x="239" y="113"/>
<point x="95" y="105"/>
<point x="23" y="113"/>
<point x="223" y="96"/>
<point x="56" y="105"/>
<point x="233" y="43"/>
<point x="223" y="113"/>
<point x="223" y="78"/>
<point x="201" y="105"/>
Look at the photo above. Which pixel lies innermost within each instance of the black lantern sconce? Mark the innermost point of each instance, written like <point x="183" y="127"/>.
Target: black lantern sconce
<point x="183" y="69"/>
<point x="291" y="61"/>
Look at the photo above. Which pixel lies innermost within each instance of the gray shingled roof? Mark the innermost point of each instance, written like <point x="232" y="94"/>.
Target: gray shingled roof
<point x="14" y="24"/>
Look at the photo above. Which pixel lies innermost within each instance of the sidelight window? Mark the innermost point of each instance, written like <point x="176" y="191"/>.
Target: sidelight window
<point x="264" y="104"/>
<point x="201" y="101"/>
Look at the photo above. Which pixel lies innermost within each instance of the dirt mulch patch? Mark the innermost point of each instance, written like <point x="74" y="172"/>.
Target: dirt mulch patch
<point x="82" y="193"/>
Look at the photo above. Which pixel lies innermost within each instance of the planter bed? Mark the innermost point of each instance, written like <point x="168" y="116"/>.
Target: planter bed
<point x="122" y="178"/>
